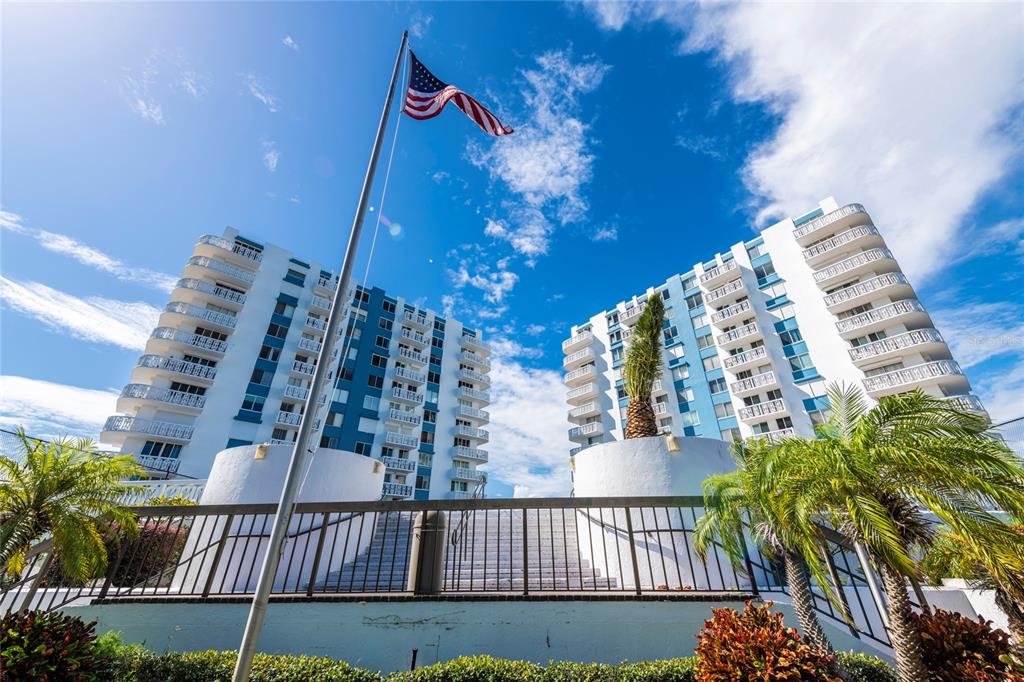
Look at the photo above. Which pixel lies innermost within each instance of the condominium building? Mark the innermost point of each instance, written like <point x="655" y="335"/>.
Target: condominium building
<point x="754" y="335"/>
<point x="232" y="358"/>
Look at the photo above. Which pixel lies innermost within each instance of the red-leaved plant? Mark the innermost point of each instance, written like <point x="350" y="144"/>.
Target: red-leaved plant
<point x="958" y="649"/>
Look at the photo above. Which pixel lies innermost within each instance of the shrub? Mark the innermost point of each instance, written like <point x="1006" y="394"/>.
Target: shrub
<point x="474" y="669"/>
<point x="863" y="668"/>
<point x="755" y="645"/>
<point x="958" y="648"/>
<point x="671" y="670"/>
<point x="48" y="646"/>
<point x="170" y="501"/>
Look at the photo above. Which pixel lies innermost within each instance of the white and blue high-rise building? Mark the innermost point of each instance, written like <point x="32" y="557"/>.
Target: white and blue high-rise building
<point x="232" y="357"/>
<point x="754" y="335"/>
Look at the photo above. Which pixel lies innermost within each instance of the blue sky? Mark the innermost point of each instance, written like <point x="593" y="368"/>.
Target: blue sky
<point x="648" y="137"/>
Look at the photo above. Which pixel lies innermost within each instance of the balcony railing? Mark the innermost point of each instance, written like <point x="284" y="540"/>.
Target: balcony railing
<point x="577" y="340"/>
<point x="404" y="395"/>
<point x="585" y="430"/>
<point x="578" y="357"/>
<point x="827" y="219"/>
<point x="408" y="375"/>
<point x="233" y="271"/>
<point x="412" y="356"/>
<point x="472" y="413"/>
<point x="657" y="386"/>
<point x="399" y="464"/>
<point x="193" y="369"/>
<point x="415" y="337"/>
<point x="659" y="408"/>
<point x="774" y="436"/>
<point x="733" y="310"/>
<point x="468" y="474"/>
<point x="471" y="432"/>
<point x="473" y="358"/>
<point x="404" y="417"/>
<point x="149" y="427"/>
<point x="911" y="375"/>
<point x="289" y="418"/>
<point x="866" y="287"/>
<point x="297" y="392"/>
<point x="833" y="243"/>
<point x="153" y="463"/>
<point x="255" y="255"/>
<point x="475" y="454"/>
<point x="581" y="373"/>
<point x="320" y="303"/>
<point x="474" y="394"/>
<point x="630" y="314"/>
<point x="745" y="357"/>
<point x="968" y="403"/>
<point x="897" y="342"/>
<point x="473" y="343"/>
<point x="852" y="263"/>
<point x="310" y="345"/>
<point x="401" y="439"/>
<point x="584" y="410"/>
<point x="586" y="389"/>
<point x="315" y="323"/>
<point x="195" y="311"/>
<point x="470" y="375"/>
<point x="736" y="334"/>
<point x="329" y="283"/>
<point x="189" y="339"/>
<point x="762" y="409"/>
<point x="163" y="395"/>
<point x="881" y="314"/>
<point x="753" y="383"/>
<point x="718" y="271"/>
<point x="397" y="490"/>
<point x="306" y="368"/>
<point x="418" y="319"/>
<point x="212" y="289"/>
<point x="723" y="291"/>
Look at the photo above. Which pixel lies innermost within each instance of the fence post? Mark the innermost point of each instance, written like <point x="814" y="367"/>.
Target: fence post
<point x="113" y="570"/>
<point x="319" y="552"/>
<point x="426" y="559"/>
<point x="26" y="604"/>
<point x="632" y="549"/>
<point x="526" y="556"/>
<point x="216" y="555"/>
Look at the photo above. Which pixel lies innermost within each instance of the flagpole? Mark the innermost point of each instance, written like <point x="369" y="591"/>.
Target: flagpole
<point x="303" y="447"/>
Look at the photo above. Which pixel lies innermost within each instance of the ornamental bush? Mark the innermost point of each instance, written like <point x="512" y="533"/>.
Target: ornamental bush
<point x="958" y="649"/>
<point x="672" y="670"/>
<point x="474" y="669"/>
<point x="756" y="645"/>
<point x="863" y="668"/>
<point x="50" y="647"/>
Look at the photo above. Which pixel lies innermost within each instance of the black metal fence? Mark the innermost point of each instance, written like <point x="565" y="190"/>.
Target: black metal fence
<point x="626" y="546"/>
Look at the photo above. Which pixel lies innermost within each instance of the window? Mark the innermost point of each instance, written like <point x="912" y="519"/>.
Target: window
<point x="371" y="402"/>
<point x="681" y="372"/>
<point x="187" y="388"/>
<point x="775" y="394"/>
<point x="462" y="442"/>
<point x="689" y="282"/>
<point x="617" y="354"/>
<point x="689" y="419"/>
<point x="694" y="301"/>
<point x="378" y="360"/>
<point x="385" y="323"/>
<point x="361" y="296"/>
<point x="459" y="487"/>
<point x="427" y="437"/>
<point x="612" y="319"/>
<point x="154" y="448"/>
<point x="389" y="306"/>
<point x="253" y="402"/>
<point x="763" y="272"/>
<point x="280" y="434"/>
<point x="270" y="353"/>
<point x="362" y="448"/>
<point x="434" y="377"/>
<point x="210" y="334"/>
<point x="367" y="424"/>
<point x="261" y="377"/>
<point x="670" y="334"/>
<point x="439" y="325"/>
<point x="705" y="341"/>
<point x="382" y="342"/>
<point x="295" y="277"/>
<point x="723" y="410"/>
<point x="345" y="374"/>
<point x="717" y="385"/>
<point x="429" y="417"/>
<point x="340" y="396"/>
<point x="712" y="363"/>
<point x="800" y="362"/>
<point x="335" y="418"/>
<point x="699" y="320"/>
<point x="277" y="331"/>
<point x="437" y="342"/>
<point x="375" y="381"/>
<point x="729" y="435"/>
<point x="790" y="336"/>
<point x="675" y="352"/>
<point x="665" y="295"/>
<point x="431" y="396"/>
<point x="685" y="395"/>
<point x="284" y="309"/>
<point x="422" y="482"/>
<point x="756" y="250"/>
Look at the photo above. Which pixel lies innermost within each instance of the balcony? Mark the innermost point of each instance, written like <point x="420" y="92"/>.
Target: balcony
<point x="578" y="359"/>
<point x="289" y="418"/>
<point x="296" y="392"/>
<point x="320" y="303"/>
<point x="591" y="409"/>
<point x="220" y="295"/>
<point x="967" y="403"/>
<point x="577" y="376"/>
<point x="585" y="431"/>
<point x="945" y="372"/>
<point x="473" y="359"/>
<point x="774" y="436"/>
<point x="317" y="324"/>
<point x="121" y="424"/>
<point x="474" y="394"/>
<point x="753" y="384"/>
<point x="631" y="314"/>
<point x="167" y="338"/>
<point x="726" y="293"/>
<point x="909" y="313"/>
<point x="739" y="335"/>
<point x="577" y="341"/>
<point x="830" y="223"/>
<point x="866" y="261"/>
<point x="657" y="387"/>
<point x="473" y="454"/>
<point x="418" y="320"/>
<point x="415" y="338"/>
<point x="476" y="377"/>
<point x="856" y="238"/>
<point x="310" y="345"/>
<point x="176" y="366"/>
<point x="892" y="284"/>
<point x="227" y="248"/>
<point x="720" y="317"/>
<point x="328" y="284"/>
<point x="166" y="465"/>
<point x="404" y="417"/>
<point x="187" y="310"/>
<point x="135" y="395"/>
<point x="303" y="368"/>
<point x="928" y="342"/>
<point x="471" y="432"/>
<point x="472" y="413"/>
<point x="410" y="355"/>
<point x="398" y="464"/>
<point x="401" y="440"/>
<point x="401" y="395"/>
<point x="581" y="394"/>
<point x="717" y="275"/>
<point x="406" y="374"/>
<point x="467" y="474"/>
<point x="745" y="359"/>
<point x="201" y="266"/>
<point x="762" y="410"/>
<point x="659" y="408"/>
<point x="474" y="344"/>
<point x="397" y="490"/>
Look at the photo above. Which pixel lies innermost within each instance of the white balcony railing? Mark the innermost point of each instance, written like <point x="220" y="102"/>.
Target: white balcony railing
<point x="412" y="356"/>
<point x="585" y="430"/>
<point x="306" y="368"/>
<point x="468" y="474"/>
<point x="774" y="436"/>
<point x="418" y="319"/>
<point x="153" y="463"/>
<point x="244" y="250"/>
<point x="163" y="395"/>
<point x="630" y="314"/>
<point x="827" y="219"/>
<point x="409" y="375"/>
<point x="868" y="286"/>
<point x="762" y="409"/>
<point x="577" y="340"/>
<point x="475" y="454"/>
<point x="732" y="311"/>
<point x="833" y="243"/>
<point x="212" y="289"/>
<point x="296" y="392"/>
<point x="415" y="337"/>
<point x="189" y="339"/>
<point x="471" y="432"/>
<point x="474" y="394"/>
<point x="968" y="403"/>
<point x="718" y="271"/>
<point x="578" y="357"/>
<point x="310" y="345"/>
<point x="473" y="358"/>
<point x="397" y="490"/>
<point x="195" y="311"/>
<point x="473" y="343"/>
<point x="745" y="357"/>
<point x="329" y="283"/>
<point x="193" y="369"/>
<point x="404" y="417"/>
<point x="407" y="396"/>
<point x="752" y="383"/>
<point x="473" y="413"/>
<point x="233" y="271"/>
<point x="470" y="375"/>
<point x="320" y="303"/>
<point x="316" y="323"/>
<point x="852" y="263"/>
<point x="880" y="314"/>
<point x="586" y="389"/>
<point x="149" y="427"/>
<point x="723" y="291"/>
<point x="911" y="375"/>
<point x="895" y="343"/>
<point x="401" y="439"/>
<point x="399" y="464"/>
<point x="584" y="410"/>
<point x="581" y="373"/>
<point x="736" y="334"/>
<point x="289" y="418"/>
<point x="659" y="408"/>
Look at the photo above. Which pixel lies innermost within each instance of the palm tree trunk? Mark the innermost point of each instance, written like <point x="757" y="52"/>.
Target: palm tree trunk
<point x="803" y="604"/>
<point x="906" y="642"/>
<point x="640" y="420"/>
<point x="1015" y="619"/>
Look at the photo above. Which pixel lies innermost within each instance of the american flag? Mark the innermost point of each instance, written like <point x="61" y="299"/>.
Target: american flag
<point x="427" y="95"/>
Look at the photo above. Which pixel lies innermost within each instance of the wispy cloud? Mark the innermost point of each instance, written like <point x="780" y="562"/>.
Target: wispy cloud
<point x="162" y="73"/>
<point x="257" y="89"/>
<point x="270" y="154"/>
<point x="605" y="233"/>
<point x="290" y="43"/>
<point x="87" y="255"/>
<point x="702" y="145"/>
<point x="51" y="410"/>
<point x="95" y="319"/>
<point x="419" y="24"/>
<point x="535" y="329"/>
<point x="977" y="331"/>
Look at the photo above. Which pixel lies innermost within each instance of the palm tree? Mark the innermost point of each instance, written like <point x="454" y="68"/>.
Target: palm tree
<point x="984" y="566"/>
<point x="874" y="474"/>
<point x="642" y="368"/>
<point x="745" y="498"/>
<point x="69" y="491"/>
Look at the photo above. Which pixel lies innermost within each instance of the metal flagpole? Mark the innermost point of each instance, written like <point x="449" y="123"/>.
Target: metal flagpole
<point x="303" y="447"/>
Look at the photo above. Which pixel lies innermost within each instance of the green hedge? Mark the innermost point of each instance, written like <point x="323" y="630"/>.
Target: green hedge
<point x="864" y="668"/>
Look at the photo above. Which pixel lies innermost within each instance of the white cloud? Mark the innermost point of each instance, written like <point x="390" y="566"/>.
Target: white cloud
<point x="162" y="72"/>
<point x="977" y="331"/>
<point x="900" y="106"/>
<point x="535" y="329"/>
<point x="547" y="162"/>
<point x="87" y="255"/>
<point x="495" y="284"/>
<point x="290" y="43"/>
<point x="704" y="145"/>
<point x="96" y="319"/>
<point x="49" y="410"/>
<point x="270" y="154"/>
<point x="1001" y="393"/>
<point x="258" y="90"/>
<point x="419" y="24"/>
<point x="608" y="233"/>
